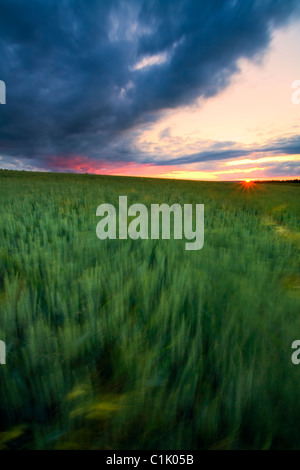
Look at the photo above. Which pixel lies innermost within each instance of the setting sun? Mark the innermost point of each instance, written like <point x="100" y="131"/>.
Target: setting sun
<point x="248" y="185"/>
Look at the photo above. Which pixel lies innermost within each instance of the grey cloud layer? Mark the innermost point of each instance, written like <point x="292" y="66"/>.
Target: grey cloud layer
<point x="71" y="85"/>
<point x="283" y="146"/>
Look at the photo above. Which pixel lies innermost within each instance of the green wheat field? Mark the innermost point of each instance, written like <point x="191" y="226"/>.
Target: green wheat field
<point x="140" y="344"/>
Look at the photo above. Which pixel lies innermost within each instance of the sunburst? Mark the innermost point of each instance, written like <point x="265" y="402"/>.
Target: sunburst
<point x="247" y="185"/>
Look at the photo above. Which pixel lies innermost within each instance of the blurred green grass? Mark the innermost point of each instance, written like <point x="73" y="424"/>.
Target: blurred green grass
<point x="123" y="344"/>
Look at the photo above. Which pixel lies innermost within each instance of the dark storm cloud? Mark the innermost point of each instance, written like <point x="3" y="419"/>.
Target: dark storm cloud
<point x="72" y="88"/>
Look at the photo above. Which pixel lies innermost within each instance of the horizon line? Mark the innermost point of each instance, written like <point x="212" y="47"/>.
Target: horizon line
<point x="258" y="180"/>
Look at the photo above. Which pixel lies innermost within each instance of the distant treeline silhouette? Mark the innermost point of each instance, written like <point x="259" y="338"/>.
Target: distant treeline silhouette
<point x="277" y="181"/>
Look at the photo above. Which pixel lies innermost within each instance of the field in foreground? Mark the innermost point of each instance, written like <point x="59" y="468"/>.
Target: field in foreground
<point x="123" y="344"/>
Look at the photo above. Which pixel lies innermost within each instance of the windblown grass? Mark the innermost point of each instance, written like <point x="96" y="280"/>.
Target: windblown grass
<point x="123" y="344"/>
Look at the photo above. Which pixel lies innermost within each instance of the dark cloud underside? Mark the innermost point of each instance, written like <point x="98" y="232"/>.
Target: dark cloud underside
<point x="72" y="88"/>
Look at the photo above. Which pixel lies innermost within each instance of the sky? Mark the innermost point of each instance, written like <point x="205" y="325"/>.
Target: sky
<point x="190" y="89"/>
